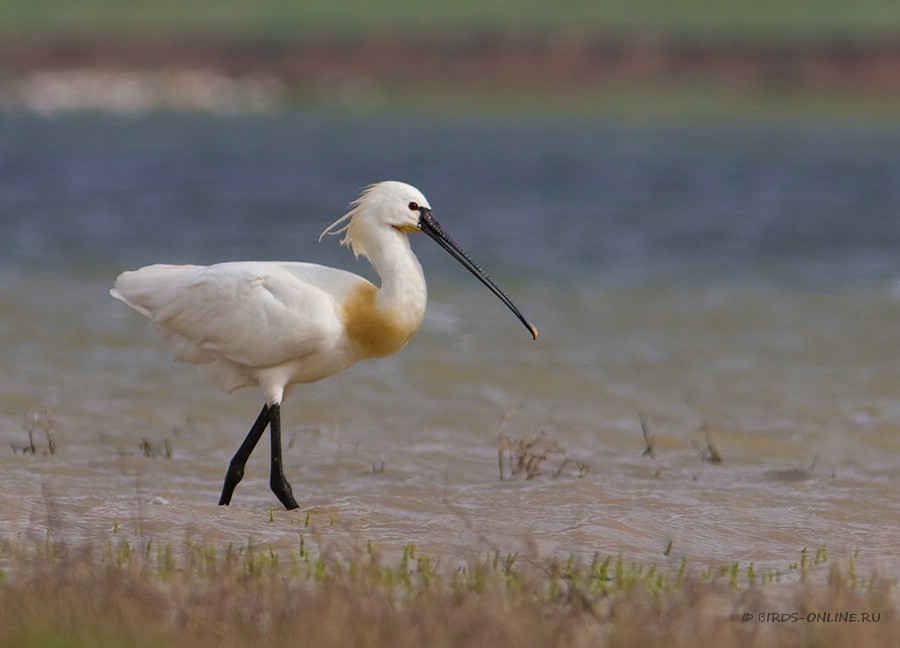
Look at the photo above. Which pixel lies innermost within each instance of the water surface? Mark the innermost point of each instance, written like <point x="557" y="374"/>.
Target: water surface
<point x="733" y="284"/>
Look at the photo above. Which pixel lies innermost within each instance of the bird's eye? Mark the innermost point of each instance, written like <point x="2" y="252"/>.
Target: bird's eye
<point x="414" y="206"/>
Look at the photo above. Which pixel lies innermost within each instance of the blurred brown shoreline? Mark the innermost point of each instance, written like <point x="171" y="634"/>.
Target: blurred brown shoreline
<point x="498" y="63"/>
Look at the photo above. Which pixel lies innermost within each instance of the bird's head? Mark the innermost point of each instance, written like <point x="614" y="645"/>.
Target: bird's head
<point x="394" y="208"/>
<point x="382" y="207"/>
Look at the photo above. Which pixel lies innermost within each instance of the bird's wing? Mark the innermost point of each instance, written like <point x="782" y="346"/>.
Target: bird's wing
<point x="254" y="314"/>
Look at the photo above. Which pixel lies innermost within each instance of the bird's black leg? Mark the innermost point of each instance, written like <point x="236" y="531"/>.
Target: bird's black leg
<point x="277" y="481"/>
<point x="236" y="467"/>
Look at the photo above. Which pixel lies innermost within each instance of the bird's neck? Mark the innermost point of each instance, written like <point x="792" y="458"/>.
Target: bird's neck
<point x="402" y="293"/>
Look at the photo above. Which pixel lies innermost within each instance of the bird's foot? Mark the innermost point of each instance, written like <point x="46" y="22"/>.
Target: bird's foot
<point x="282" y="490"/>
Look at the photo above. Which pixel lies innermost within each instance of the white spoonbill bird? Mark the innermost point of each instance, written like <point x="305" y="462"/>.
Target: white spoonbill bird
<point x="278" y="324"/>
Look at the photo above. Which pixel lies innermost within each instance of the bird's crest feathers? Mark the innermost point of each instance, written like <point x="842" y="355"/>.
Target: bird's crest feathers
<point x="335" y="228"/>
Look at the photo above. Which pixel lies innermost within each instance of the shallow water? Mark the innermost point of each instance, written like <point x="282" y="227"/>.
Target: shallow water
<point x="732" y="284"/>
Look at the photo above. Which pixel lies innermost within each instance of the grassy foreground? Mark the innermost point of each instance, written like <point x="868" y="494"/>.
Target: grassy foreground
<point x="199" y="595"/>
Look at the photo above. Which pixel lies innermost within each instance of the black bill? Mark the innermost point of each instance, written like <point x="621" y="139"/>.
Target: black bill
<point x="432" y="228"/>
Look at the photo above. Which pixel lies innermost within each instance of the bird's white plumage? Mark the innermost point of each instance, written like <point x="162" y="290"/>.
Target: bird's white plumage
<point x="275" y="324"/>
<point x="237" y="319"/>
